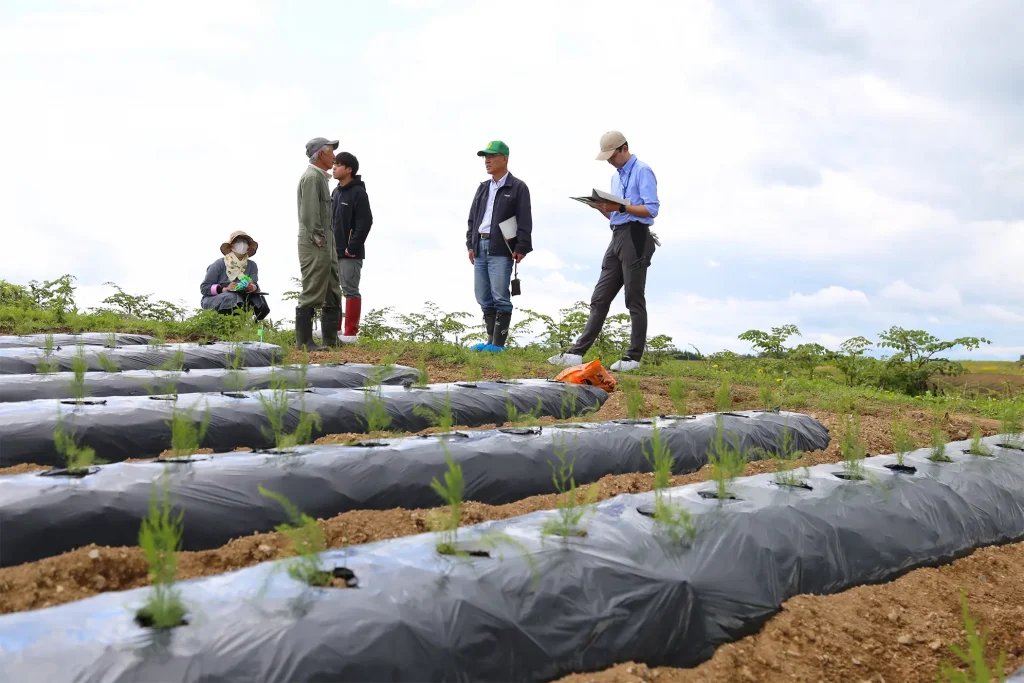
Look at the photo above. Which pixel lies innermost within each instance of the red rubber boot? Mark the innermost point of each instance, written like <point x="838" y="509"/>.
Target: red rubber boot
<point x="352" y="310"/>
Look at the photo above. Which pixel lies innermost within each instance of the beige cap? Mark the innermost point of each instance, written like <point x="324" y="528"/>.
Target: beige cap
<point x="610" y="142"/>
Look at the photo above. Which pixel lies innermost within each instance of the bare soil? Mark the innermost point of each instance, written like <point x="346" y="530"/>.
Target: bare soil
<point x="898" y="632"/>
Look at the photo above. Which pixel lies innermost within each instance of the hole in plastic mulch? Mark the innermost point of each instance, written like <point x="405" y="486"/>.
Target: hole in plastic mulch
<point x="794" y="485"/>
<point x="327" y="579"/>
<point x="445" y="435"/>
<point x="145" y="620"/>
<point x="713" y="495"/>
<point x="184" y="459"/>
<point x="520" y="431"/>
<point x="466" y="385"/>
<point x="902" y="469"/>
<point x="508" y="381"/>
<point x="163" y="398"/>
<point x="64" y="472"/>
<point x="1010" y="447"/>
<point x="678" y="417"/>
<point x="848" y="477"/>
<point x="233" y="394"/>
<point x="627" y="421"/>
<point x="370" y="444"/>
<point x="84" y="402"/>
<point x="449" y="549"/>
<point x="734" y="414"/>
<point x="301" y="391"/>
<point x="773" y="410"/>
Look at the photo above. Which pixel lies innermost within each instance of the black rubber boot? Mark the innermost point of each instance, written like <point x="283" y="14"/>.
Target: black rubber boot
<point x="329" y="319"/>
<point x="501" y="326"/>
<point x="489" y="324"/>
<point x="304" y="330"/>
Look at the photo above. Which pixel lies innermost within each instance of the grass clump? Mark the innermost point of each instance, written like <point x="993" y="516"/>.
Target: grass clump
<point x="786" y="473"/>
<point x="673" y="518"/>
<point x="375" y="417"/>
<point x="107" y="363"/>
<point x="451" y="491"/>
<point x="77" y="458"/>
<point x="634" y="397"/>
<point x="723" y="396"/>
<point x="79" y="366"/>
<point x="726" y="459"/>
<point x="1010" y="426"/>
<point x="527" y="419"/>
<point x="570" y="510"/>
<point x="45" y="365"/>
<point x="766" y="395"/>
<point x="901" y="442"/>
<point x="852" y="447"/>
<point x="978" y="447"/>
<point x="677" y="393"/>
<point x="276" y="407"/>
<point x="974" y="657"/>
<point x="186" y="433"/>
<point x="160" y="540"/>
<point x="439" y="416"/>
<point x="307" y="539"/>
<point x="939" y="440"/>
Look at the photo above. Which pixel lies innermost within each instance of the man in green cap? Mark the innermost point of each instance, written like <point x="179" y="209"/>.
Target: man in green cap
<point x="317" y="259"/>
<point x="501" y="202"/>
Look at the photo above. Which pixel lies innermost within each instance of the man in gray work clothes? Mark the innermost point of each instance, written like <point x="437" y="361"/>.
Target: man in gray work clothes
<point x="317" y="259"/>
<point x="628" y="255"/>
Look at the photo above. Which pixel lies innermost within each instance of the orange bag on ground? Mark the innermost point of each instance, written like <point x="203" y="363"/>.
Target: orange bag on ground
<point x="589" y="373"/>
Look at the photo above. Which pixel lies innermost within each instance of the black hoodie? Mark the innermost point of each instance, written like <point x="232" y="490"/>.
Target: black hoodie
<point x="352" y="218"/>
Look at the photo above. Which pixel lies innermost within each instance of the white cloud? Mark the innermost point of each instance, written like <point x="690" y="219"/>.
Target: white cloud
<point x="900" y="293"/>
<point x="155" y="130"/>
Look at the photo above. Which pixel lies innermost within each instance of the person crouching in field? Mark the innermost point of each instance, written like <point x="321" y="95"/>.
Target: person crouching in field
<point x="220" y="289"/>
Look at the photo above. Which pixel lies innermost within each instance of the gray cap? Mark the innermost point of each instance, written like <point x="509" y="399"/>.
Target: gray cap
<point x="316" y="143"/>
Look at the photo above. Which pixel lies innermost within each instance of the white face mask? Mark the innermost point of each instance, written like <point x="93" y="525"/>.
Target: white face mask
<point x="240" y="247"/>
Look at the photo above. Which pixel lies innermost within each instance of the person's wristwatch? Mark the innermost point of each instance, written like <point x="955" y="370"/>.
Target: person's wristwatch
<point x="622" y="208"/>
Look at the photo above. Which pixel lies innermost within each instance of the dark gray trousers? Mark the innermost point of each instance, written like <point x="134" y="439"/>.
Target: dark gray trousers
<point x="625" y="263"/>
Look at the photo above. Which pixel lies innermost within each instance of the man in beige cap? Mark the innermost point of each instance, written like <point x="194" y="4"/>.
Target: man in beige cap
<point x="628" y="255"/>
<point x="318" y="262"/>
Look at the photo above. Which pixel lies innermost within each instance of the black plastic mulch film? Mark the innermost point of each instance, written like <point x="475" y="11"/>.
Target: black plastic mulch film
<point x="533" y="607"/>
<point x="138" y="427"/>
<point x="86" y="339"/>
<point x="14" y="388"/>
<point x="22" y="361"/>
<point x="43" y="515"/>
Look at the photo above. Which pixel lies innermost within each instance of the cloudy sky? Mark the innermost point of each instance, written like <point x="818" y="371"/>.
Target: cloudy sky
<point x="844" y="166"/>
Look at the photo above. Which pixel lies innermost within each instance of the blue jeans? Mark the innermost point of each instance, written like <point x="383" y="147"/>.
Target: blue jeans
<point x="492" y="277"/>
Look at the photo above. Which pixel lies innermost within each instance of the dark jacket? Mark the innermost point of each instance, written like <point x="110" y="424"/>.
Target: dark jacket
<point x="511" y="199"/>
<point x="226" y="301"/>
<point x="352" y="218"/>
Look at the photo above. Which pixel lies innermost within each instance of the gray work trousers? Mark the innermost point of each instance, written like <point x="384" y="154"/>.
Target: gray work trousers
<point x="625" y="264"/>
<point x="350" y="270"/>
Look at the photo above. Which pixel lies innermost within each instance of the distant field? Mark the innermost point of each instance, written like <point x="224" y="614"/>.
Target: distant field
<point x="989" y="376"/>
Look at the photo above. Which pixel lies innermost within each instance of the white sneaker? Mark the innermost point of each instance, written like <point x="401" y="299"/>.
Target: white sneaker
<point x="625" y="365"/>
<point x="347" y="340"/>
<point x="566" y="359"/>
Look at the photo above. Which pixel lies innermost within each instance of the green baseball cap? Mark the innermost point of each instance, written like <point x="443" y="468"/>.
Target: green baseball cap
<point x="494" y="147"/>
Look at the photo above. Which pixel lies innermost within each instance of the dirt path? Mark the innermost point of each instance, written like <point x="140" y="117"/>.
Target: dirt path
<point x="898" y="632"/>
<point x="91" y="570"/>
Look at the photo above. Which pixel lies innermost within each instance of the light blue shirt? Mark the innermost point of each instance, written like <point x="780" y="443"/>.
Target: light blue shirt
<point x="635" y="181"/>
<point x="492" y="191"/>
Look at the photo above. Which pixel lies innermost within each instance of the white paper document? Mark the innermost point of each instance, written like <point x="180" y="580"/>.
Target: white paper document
<point x="508" y="228"/>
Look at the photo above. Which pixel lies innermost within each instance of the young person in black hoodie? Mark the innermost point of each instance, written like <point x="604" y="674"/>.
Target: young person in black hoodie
<point x="352" y="221"/>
